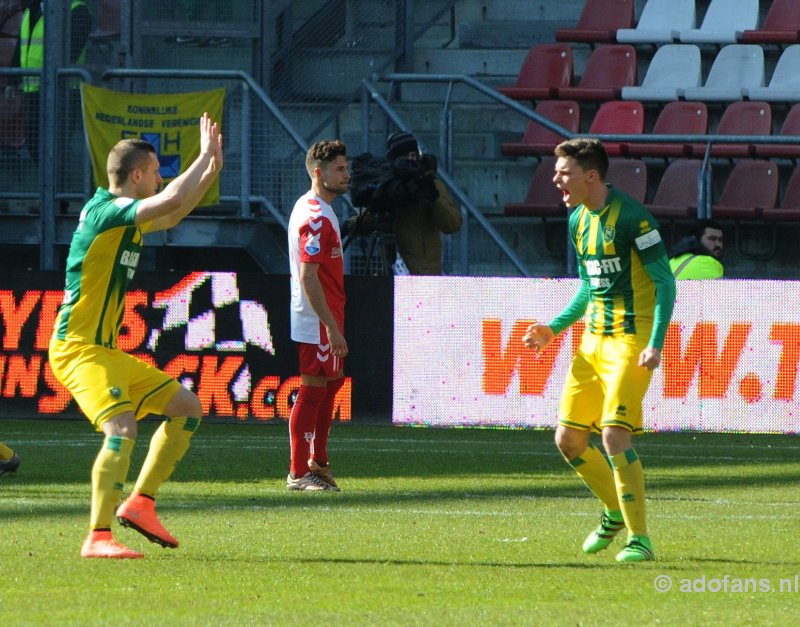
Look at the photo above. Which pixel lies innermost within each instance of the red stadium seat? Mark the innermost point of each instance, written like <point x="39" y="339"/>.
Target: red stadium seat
<point x="740" y="118"/>
<point x="108" y="20"/>
<point x="539" y="140"/>
<point x="677" y="118"/>
<point x="618" y="117"/>
<point x="790" y="127"/>
<point x="789" y="210"/>
<point x="608" y="70"/>
<point x="546" y="68"/>
<point x="751" y="189"/>
<point x="628" y="176"/>
<point x="543" y="199"/>
<point x="599" y="22"/>
<point x="781" y="26"/>
<point x="676" y="195"/>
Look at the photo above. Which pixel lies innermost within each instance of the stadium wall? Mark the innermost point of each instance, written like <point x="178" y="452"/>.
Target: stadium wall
<point x="223" y="334"/>
<point x="729" y="363"/>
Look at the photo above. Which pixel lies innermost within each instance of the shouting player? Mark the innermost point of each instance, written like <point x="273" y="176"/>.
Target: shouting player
<point x="627" y="293"/>
<point x="317" y="314"/>
<point x="112" y="388"/>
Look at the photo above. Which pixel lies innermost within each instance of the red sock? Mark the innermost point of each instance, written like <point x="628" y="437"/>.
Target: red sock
<point x="302" y="423"/>
<point x="324" y="420"/>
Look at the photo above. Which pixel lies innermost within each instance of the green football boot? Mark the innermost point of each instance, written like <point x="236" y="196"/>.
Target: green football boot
<point x="638" y="549"/>
<point x="604" y="535"/>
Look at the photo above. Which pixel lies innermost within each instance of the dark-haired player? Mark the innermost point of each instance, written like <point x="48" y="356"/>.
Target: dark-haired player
<point x="627" y="294"/>
<point x="317" y="314"/>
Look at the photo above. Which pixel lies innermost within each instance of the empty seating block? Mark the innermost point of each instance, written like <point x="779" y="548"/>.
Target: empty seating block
<point x="599" y="22"/>
<point x="790" y="127"/>
<point x="784" y="86"/>
<point x="737" y="69"/>
<point x="628" y="176"/>
<point x="539" y="140"/>
<point x="673" y="69"/>
<point x="739" y="118"/>
<point x="546" y="68"/>
<point x="661" y="22"/>
<point x="608" y="70"/>
<point x="789" y="210"/>
<point x="543" y="199"/>
<point x="618" y="117"/>
<point x="677" y="192"/>
<point x="677" y="118"/>
<point x="781" y="26"/>
<point x="751" y="188"/>
<point x="724" y="22"/>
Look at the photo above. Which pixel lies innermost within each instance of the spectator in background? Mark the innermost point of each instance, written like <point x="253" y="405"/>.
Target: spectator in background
<point x="9" y="460"/>
<point x="29" y="55"/>
<point x="419" y="222"/>
<point x="698" y="255"/>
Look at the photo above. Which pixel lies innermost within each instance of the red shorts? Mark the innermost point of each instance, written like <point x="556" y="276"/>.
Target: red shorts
<point x="316" y="360"/>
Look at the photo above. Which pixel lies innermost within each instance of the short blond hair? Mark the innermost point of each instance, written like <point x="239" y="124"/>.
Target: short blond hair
<point x="125" y="157"/>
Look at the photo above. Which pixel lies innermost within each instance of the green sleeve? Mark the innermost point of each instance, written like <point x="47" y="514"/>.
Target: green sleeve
<point x="661" y="275"/>
<point x="573" y="311"/>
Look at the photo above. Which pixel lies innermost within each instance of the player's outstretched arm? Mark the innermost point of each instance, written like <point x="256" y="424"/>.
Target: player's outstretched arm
<point x="176" y="200"/>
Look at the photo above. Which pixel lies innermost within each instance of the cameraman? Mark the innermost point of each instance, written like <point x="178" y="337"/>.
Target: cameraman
<point x="427" y="211"/>
<point x="697" y="255"/>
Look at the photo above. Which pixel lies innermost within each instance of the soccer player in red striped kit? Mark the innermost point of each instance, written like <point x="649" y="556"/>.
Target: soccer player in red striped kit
<point x="317" y="314"/>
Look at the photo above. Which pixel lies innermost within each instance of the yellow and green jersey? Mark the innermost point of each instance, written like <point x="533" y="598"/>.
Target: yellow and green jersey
<point x="102" y="260"/>
<point x="613" y="247"/>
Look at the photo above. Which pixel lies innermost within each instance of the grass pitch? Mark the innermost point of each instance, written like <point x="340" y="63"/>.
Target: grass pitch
<point x="445" y="527"/>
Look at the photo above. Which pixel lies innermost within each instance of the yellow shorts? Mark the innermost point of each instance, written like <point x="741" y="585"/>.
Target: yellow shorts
<point x="605" y="385"/>
<point x="107" y="382"/>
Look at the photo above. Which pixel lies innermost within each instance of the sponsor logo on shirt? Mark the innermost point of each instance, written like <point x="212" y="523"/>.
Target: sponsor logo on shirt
<point x="648" y="239"/>
<point x="312" y="246"/>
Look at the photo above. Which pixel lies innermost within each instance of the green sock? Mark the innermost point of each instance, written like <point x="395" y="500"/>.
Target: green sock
<point x="109" y="472"/>
<point x="593" y="467"/>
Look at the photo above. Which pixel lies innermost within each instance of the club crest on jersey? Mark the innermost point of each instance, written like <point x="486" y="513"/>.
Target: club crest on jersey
<point x="608" y="234"/>
<point x="644" y="226"/>
<point x="312" y="246"/>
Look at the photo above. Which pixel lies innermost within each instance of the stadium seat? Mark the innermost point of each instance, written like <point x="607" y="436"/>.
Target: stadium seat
<point x="781" y="26"/>
<point x="618" y="117"/>
<point x="660" y="22"/>
<point x="673" y="69"/>
<point x="12" y="124"/>
<point x="784" y="86"/>
<point x="724" y="22"/>
<point x="539" y="140"/>
<point x="676" y="195"/>
<point x="789" y="209"/>
<point x="677" y="118"/>
<point x="599" y="22"/>
<point x="790" y="127"/>
<point x="751" y="188"/>
<point x="739" y="118"/>
<point x="628" y="176"/>
<point x="607" y="71"/>
<point x="543" y="199"/>
<point x="546" y="68"/>
<point x="736" y="69"/>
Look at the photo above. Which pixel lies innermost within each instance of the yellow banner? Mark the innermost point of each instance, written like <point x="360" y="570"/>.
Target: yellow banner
<point x="168" y="121"/>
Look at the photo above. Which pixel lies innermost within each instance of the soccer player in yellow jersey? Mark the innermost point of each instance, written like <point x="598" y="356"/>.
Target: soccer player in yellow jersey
<point x="627" y="294"/>
<point x="112" y="388"/>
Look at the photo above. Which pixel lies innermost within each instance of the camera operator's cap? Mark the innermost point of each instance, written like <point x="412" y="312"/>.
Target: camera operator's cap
<point x="399" y="144"/>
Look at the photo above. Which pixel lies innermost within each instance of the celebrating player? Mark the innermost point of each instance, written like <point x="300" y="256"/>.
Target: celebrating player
<point x="112" y="388"/>
<point x="628" y="294"/>
<point x="317" y="314"/>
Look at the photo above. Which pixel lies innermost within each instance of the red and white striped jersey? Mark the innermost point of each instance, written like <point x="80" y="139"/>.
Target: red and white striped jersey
<point x="314" y="237"/>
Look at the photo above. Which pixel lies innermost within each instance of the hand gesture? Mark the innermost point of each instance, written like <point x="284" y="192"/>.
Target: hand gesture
<point x="650" y="358"/>
<point x="538" y="336"/>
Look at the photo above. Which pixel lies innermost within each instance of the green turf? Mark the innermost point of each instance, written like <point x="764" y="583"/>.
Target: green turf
<point x="433" y="527"/>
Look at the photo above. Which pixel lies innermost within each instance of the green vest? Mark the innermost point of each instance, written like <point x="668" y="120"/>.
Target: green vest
<point x="31" y="47"/>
